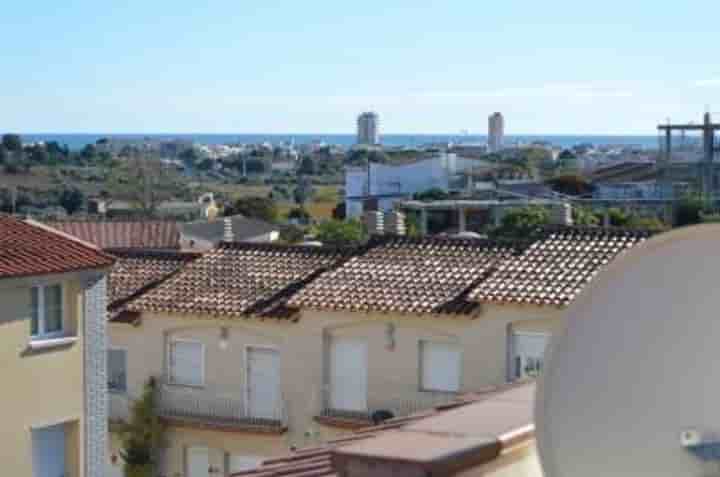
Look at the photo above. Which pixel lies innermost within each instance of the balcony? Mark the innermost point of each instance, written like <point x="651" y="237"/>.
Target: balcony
<point x="200" y="407"/>
<point x="383" y="405"/>
<point x="205" y="408"/>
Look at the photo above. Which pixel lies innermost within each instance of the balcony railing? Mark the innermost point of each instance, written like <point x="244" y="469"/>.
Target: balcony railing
<point x="385" y="404"/>
<point x="207" y="407"/>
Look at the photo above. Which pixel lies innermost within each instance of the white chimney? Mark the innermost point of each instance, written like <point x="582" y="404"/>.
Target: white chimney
<point x="228" y="235"/>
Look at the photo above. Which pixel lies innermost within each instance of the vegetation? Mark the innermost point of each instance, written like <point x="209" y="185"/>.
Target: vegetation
<point x="571" y="184"/>
<point x="261" y="208"/>
<point x="689" y="211"/>
<point x="340" y="232"/>
<point x="143" y="436"/>
<point x="585" y="217"/>
<point x="431" y="195"/>
<point x="72" y="199"/>
<point x="522" y="222"/>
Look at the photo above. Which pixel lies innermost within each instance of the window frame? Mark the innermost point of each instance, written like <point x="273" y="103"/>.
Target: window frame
<point x="422" y="344"/>
<point x="170" y="375"/>
<point x="124" y="350"/>
<point x="41" y="334"/>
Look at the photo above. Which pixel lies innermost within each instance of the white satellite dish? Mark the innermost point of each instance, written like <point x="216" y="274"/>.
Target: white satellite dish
<point x="632" y="388"/>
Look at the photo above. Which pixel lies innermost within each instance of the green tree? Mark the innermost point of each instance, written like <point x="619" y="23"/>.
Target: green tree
<point x="300" y="214"/>
<point x="72" y="199"/>
<point x="648" y="223"/>
<point x="307" y="166"/>
<point x="4" y="155"/>
<point x="571" y="184"/>
<point x="688" y="211"/>
<point x="584" y="216"/>
<point x="291" y="234"/>
<point x="431" y="194"/>
<point x="339" y="212"/>
<point x="261" y="208"/>
<point x="340" y="233"/>
<point x="143" y="436"/>
<point x="523" y="222"/>
<point x="12" y="142"/>
<point x="88" y="152"/>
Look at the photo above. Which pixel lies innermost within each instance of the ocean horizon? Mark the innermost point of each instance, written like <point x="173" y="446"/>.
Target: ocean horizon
<point x="79" y="140"/>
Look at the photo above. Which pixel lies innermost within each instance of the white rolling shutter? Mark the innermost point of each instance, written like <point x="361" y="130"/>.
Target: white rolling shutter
<point x="264" y="383"/>
<point x="348" y="375"/>
<point x="187" y="363"/>
<point x="440" y="365"/>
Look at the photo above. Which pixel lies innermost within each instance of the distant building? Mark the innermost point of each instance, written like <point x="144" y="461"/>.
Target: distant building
<point x="496" y="132"/>
<point x="368" y="129"/>
<point x="380" y="186"/>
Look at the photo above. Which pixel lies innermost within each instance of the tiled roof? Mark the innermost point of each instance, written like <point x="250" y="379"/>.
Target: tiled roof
<point x="28" y="249"/>
<point x="406" y="275"/>
<point x="479" y="411"/>
<point x="554" y="269"/>
<point x="124" y="235"/>
<point x="136" y="272"/>
<point x="237" y="279"/>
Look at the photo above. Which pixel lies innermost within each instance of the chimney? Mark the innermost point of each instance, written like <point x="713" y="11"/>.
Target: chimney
<point x="373" y="220"/>
<point x="228" y="235"/>
<point x="395" y="223"/>
<point x="561" y="214"/>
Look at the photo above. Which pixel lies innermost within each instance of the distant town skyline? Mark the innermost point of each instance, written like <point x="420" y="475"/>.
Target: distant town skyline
<point x="289" y="67"/>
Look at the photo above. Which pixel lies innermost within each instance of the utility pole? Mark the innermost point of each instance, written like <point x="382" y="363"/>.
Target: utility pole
<point x="708" y="128"/>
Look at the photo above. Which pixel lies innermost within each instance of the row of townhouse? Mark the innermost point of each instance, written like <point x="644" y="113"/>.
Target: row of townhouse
<point x="258" y="348"/>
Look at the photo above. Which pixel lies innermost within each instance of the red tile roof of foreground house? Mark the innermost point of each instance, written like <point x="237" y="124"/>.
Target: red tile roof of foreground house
<point x="555" y="269"/>
<point x="240" y="279"/>
<point x="28" y="249"/>
<point x="124" y="234"/>
<point x="407" y="275"/>
<point x="478" y="426"/>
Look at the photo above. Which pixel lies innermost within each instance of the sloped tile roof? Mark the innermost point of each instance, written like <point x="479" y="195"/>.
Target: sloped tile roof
<point x="28" y="249"/>
<point x="407" y="275"/>
<point x="123" y="234"/>
<point x="478" y="410"/>
<point x="240" y="279"/>
<point x="136" y="272"/>
<point x="555" y="268"/>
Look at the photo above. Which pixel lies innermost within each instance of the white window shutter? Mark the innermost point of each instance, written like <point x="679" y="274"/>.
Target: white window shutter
<point x="186" y="363"/>
<point x="440" y="363"/>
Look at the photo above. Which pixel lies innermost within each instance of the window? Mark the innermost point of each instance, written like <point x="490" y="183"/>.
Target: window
<point x="527" y="354"/>
<point x="117" y="370"/>
<point x="440" y="366"/>
<point x="46" y="311"/>
<point x="187" y="362"/>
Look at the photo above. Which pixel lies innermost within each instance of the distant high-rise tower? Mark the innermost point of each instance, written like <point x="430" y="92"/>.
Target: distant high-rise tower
<point x="368" y="129"/>
<point x="496" y="132"/>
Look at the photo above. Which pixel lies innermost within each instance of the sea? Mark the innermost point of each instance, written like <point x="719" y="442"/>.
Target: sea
<point x="78" y="141"/>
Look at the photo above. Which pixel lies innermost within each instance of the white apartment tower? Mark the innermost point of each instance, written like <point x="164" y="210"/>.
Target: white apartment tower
<point x="496" y="132"/>
<point x="368" y="129"/>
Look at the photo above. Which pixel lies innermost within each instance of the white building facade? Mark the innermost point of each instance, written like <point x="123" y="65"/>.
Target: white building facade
<point x="368" y="129"/>
<point x="496" y="132"/>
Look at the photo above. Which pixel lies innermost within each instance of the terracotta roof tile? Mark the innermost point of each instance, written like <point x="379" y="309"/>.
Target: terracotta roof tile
<point x="136" y="272"/>
<point x="28" y="249"/>
<point x="241" y="279"/>
<point x="123" y="234"/>
<point x="406" y="275"/>
<point x="555" y="268"/>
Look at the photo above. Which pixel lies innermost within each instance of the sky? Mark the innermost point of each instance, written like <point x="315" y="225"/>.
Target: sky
<point x="290" y="66"/>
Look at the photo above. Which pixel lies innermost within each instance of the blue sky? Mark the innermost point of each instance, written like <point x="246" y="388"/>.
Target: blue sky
<point x="277" y="66"/>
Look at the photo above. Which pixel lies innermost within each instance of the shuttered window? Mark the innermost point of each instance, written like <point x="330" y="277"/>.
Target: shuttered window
<point x="46" y="311"/>
<point x="440" y="366"/>
<point x="187" y="363"/>
<point x="117" y="370"/>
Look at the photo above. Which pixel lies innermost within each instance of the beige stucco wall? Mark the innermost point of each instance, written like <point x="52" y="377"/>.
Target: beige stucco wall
<point x="42" y="388"/>
<point x="391" y="373"/>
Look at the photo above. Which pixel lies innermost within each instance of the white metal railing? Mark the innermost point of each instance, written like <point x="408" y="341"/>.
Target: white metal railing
<point x="208" y="406"/>
<point x="119" y="405"/>
<point x="384" y="402"/>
